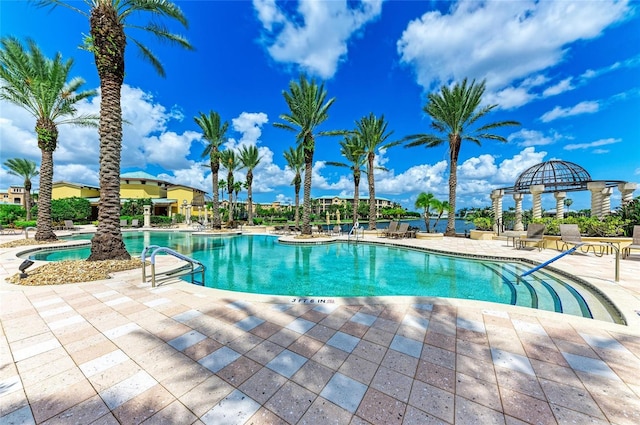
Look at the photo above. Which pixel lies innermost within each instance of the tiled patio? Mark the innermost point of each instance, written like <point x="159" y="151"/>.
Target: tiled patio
<point x="118" y="351"/>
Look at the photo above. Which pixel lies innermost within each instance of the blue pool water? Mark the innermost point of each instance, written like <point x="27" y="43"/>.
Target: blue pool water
<point x="260" y="264"/>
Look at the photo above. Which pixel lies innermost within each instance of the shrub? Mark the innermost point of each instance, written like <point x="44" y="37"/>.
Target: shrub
<point x="77" y="209"/>
<point x="10" y="213"/>
<point x="20" y="224"/>
<point x="160" y="219"/>
<point x="610" y="225"/>
<point x="483" y="223"/>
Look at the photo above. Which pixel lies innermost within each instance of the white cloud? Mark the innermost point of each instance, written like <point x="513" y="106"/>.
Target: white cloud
<point x="510" y="169"/>
<point x="503" y="42"/>
<point x="169" y="150"/>
<point x="586" y="107"/>
<point x="601" y="142"/>
<point x="75" y="173"/>
<point x="250" y="125"/>
<point x="527" y="138"/>
<point x="478" y="167"/>
<point x="315" y="38"/>
<point x="562" y="86"/>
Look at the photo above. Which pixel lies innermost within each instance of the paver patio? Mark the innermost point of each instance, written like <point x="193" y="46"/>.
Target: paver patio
<point x="119" y="351"/>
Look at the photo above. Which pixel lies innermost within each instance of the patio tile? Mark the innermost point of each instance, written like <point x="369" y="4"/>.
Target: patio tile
<point x="175" y="412"/>
<point x="326" y="308"/>
<point x="525" y="408"/>
<point x="439" y="356"/>
<point x="157" y="302"/>
<point x="522" y="326"/>
<point x="360" y="369"/>
<point x="605" y="343"/>
<point x="291" y="401"/>
<point x="305" y="346"/>
<point x="103" y="363"/>
<point x="468" y="412"/>
<point x="379" y="408"/>
<point x="470" y="325"/>
<point x="343" y="341"/>
<point x="574" y="398"/>
<point x="521" y="382"/>
<point x="122" y="331"/>
<point x="439" y="340"/>
<point x="127" y="389"/>
<point x="143" y="406"/>
<point x="249" y="323"/>
<point x="438" y="376"/>
<point x="35" y="349"/>
<point x="186" y="340"/>
<point x="284" y="337"/>
<point x="407" y="346"/>
<point x="263" y="384"/>
<point x="286" y="363"/>
<point x="324" y="412"/>
<point x="234" y="409"/>
<point x="392" y="383"/>
<point x="569" y="416"/>
<point x="56" y="311"/>
<point x="330" y="357"/>
<point x="313" y="376"/>
<point x="590" y="365"/>
<point x="205" y="395"/>
<point x="432" y="400"/>
<point x="219" y="359"/>
<point x="512" y="361"/>
<point x="300" y="325"/>
<point x="344" y="391"/>
<point x="47" y="302"/>
<point x="187" y="316"/>
<point x="266" y="417"/>
<point x="83" y="413"/>
<point x="363" y="319"/>
<point x="479" y="391"/>
<point x="19" y="416"/>
<point x="264" y="352"/>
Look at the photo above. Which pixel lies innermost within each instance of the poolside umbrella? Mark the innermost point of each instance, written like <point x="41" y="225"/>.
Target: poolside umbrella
<point x="338" y="216"/>
<point x="328" y="220"/>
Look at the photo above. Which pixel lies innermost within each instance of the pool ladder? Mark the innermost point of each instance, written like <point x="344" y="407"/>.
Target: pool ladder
<point x="356" y="232"/>
<point x="195" y="265"/>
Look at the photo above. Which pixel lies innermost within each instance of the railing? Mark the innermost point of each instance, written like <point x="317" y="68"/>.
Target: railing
<point x="356" y="231"/>
<point x="196" y="266"/>
<point x="570" y="251"/>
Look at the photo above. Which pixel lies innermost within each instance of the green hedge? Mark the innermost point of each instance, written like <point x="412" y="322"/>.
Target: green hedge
<point x="610" y="225"/>
<point x="21" y="224"/>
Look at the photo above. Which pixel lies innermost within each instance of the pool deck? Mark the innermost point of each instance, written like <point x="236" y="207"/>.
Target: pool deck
<point x="119" y="351"/>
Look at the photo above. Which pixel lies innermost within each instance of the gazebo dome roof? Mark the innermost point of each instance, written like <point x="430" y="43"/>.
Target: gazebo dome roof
<point x="554" y="175"/>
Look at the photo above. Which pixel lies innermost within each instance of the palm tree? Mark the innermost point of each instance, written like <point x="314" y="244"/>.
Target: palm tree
<point x="453" y="111"/>
<point x="214" y="132"/>
<point x="39" y="85"/>
<point x="229" y="161"/>
<point x="249" y="159"/>
<point x="26" y="169"/>
<point x="374" y="135"/>
<point x="108" y="20"/>
<point x="308" y="109"/>
<point x="237" y="188"/>
<point x="295" y="161"/>
<point x="426" y="201"/>
<point x="440" y="207"/>
<point x="353" y="150"/>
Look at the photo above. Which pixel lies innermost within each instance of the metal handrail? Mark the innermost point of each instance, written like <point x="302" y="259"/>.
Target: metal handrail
<point x="157" y="249"/>
<point x="569" y="251"/>
<point x="354" y="231"/>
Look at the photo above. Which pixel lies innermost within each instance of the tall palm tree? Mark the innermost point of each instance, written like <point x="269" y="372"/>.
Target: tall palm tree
<point x="26" y="169"/>
<point x="426" y="201"/>
<point x="108" y="20"/>
<point x="374" y="135"/>
<point x="352" y="148"/>
<point x="249" y="159"/>
<point x="295" y="161"/>
<point x="237" y="188"/>
<point x="214" y="132"/>
<point x="308" y="109"/>
<point x="453" y="111"/>
<point x="229" y="161"/>
<point x="39" y="85"/>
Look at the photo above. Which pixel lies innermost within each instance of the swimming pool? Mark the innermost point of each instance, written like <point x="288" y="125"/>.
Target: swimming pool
<point x="261" y="264"/>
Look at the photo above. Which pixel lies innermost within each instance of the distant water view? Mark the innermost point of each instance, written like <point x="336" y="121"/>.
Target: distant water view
<point x="462" y="225"/>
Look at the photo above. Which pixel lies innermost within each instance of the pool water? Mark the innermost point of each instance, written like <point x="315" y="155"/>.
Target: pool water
<point x="260" y="264"/>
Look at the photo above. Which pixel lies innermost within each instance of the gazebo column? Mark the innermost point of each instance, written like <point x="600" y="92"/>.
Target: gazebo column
<point x="560" y="197"/>
<point x="626" y="189"/>
<point x="596" y="189"/>
<point x="517" y="197"/>
<point x="605" y="208"/>
<point x="536" y="190"/>
<point x="496" y="196"/>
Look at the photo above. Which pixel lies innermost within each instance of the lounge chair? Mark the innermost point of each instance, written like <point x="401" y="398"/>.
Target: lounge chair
<point x="535" y="235"/>
<point x="124" y="222"/>
<point x="135" y="222"/>
<point x="7" y="231"/>
<point x="403" y="228"/>
<point x="393" y="226"/>
<point x="337" y="230"/>
<point x="68" y="225"/>
<point x="635" y="244"/>
<point x="570" y="236"/>
<point x="321" y="230"/>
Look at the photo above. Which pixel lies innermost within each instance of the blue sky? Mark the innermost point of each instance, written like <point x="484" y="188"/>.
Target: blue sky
<point x="568" y="71"/>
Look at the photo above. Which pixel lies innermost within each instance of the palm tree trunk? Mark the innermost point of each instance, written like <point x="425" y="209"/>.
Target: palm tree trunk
<point x="109" y="43"/>
<point x="27" y="199"/>
<point x="356" y="196"/>
<point x="249" y="197"/>
<point x="297" y="213"/>
<point x="215" y="167"/>
<point x="44" y="230"/>
<point x="372" y="193"/>
<point x="454" y="147"/>
<point x="306" y="200"/>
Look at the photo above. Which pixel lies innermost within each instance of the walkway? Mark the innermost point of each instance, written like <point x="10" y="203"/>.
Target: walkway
<point x="118" y="351"/>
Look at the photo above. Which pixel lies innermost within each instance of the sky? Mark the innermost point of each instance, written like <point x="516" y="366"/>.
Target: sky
<point x="568" y="71"/>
